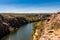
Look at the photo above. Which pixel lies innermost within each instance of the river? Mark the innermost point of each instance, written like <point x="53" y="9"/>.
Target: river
<point x="23" y="33"/>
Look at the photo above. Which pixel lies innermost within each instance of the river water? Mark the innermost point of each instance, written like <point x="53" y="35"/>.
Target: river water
<point x="23" y="33"/>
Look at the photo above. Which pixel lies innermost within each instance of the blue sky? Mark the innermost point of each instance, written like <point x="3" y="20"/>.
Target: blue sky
<point x="29" y="6"/>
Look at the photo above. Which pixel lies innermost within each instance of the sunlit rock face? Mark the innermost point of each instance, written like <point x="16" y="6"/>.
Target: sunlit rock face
<point x="51" y="29"/>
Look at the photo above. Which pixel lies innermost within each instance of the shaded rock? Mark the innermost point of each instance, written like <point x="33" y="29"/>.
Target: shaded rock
<point x="17" y="22"/>
<point x="4" y="29"/>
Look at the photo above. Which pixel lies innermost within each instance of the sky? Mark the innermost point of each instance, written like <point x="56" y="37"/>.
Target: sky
<point x="29" y="6"/>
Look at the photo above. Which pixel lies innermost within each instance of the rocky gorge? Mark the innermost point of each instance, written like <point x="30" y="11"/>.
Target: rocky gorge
<point x="12" y="22"/>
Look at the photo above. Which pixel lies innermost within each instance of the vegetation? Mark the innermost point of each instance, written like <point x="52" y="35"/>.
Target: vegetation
<point x="38" y="27"/>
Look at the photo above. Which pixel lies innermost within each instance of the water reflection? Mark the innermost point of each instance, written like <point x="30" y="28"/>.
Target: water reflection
<point x="23" y="33"/>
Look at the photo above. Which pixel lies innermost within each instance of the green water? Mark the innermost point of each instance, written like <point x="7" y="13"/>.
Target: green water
<point x="23" y="33"/>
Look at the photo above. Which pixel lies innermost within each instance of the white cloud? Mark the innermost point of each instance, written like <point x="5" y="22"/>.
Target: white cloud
<point x="14" y="9"/>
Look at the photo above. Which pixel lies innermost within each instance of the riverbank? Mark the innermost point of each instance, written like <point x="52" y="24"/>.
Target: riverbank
<point x="23" y="33"/>
<point x="38" y="27"/>
<point x="37" y="30"/>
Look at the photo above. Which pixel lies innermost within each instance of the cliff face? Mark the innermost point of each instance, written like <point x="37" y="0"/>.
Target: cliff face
<point x="50" y="30"/>
<point x="52" y="23"/>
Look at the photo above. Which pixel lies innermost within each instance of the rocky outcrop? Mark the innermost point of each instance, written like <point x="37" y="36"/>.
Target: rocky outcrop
<point x="50" y="28"/>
